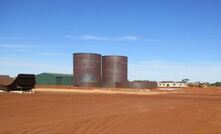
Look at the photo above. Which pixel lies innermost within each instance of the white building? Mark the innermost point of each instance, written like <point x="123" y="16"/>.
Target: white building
<point x="172" y="84"/>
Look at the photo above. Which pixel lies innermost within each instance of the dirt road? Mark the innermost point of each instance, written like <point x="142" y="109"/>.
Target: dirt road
<point x="75" y="113"/>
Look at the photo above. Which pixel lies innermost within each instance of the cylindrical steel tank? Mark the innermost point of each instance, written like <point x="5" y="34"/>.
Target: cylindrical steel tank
<point x="143" y="84"/>
<point x="87" y="69"/>
<point x="114" y="71"/>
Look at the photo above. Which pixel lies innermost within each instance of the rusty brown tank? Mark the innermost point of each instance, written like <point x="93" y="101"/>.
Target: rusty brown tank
<point x="143" y="84"/>
<point x="114" y="71"/>
<point x="87" y="69"/>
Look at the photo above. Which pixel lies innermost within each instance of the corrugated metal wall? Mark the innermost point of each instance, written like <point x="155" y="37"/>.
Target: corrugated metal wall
<point x="87" y="69"/>
<point x="143" y="84"/>
<point x="53" y="79"/>
<point x="114" y="71"/>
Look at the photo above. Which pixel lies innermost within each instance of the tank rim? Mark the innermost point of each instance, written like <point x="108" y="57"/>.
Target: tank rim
<point x="84" y="53"/>
<point x="118" y="56"/>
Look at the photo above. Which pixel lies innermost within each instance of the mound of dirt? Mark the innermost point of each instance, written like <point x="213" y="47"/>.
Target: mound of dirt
<point x="5" y="80"/>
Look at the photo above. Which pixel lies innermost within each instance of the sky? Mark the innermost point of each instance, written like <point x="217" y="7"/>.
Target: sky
<point x="163" y="39"/>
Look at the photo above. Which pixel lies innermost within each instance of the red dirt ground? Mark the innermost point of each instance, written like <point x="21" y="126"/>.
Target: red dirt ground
<point x="193" y="111"/>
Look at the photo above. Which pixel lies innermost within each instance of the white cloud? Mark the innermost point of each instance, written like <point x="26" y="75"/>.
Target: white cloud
<point x="10" y="38"/>
<point x="163" y="70"/>
<point x="91" y="37"/>
<point x="11" y="66"/>
<point x="43" y="53"/>
<point x="14" y="46"/>
<point x="31" y="49"/>
<point x="99" y="38"/>
<point x="129" y="37"/>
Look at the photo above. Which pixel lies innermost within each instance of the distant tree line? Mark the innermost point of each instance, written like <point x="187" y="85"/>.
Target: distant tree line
<point x="217" y="84"/>
<point x="186" y="80"/>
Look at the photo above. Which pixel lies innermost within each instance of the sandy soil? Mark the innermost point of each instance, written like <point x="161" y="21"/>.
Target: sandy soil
<point x="102" y="91"/>
<point x="193" y="111"/>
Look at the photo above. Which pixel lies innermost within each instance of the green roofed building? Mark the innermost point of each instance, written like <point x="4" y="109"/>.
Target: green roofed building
<point x="54" y="79"/>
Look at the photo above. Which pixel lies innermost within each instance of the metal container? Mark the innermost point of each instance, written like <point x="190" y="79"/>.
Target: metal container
<point x="143" y="84"/>
<point x="114" y="71"/>
<point x="87" y="69"/>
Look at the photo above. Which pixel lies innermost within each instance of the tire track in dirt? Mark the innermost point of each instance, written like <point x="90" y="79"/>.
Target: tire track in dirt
<point x="108" y="114"/>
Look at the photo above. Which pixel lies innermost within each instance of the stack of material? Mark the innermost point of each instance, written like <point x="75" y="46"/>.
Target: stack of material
<point x="143" y="84"/>
<point x="23" y="82"/>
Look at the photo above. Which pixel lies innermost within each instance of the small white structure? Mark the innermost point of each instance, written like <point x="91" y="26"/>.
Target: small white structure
<point x="171" y="84"/>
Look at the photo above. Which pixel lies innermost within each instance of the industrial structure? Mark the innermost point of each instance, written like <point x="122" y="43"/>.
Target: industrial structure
<point x="87" y="69"/>
<point x="172" y="84"/>
<point x="114" y="71"/>
<point x="143" y="84"/>
<point x="94" y="70"/>
<point x="54" y="79"/>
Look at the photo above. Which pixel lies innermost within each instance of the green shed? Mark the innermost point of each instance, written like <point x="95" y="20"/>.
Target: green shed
<point x="54" y="79"/>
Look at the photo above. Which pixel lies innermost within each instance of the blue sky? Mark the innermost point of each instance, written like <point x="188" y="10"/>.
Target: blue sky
<point x="164" y="39"/>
